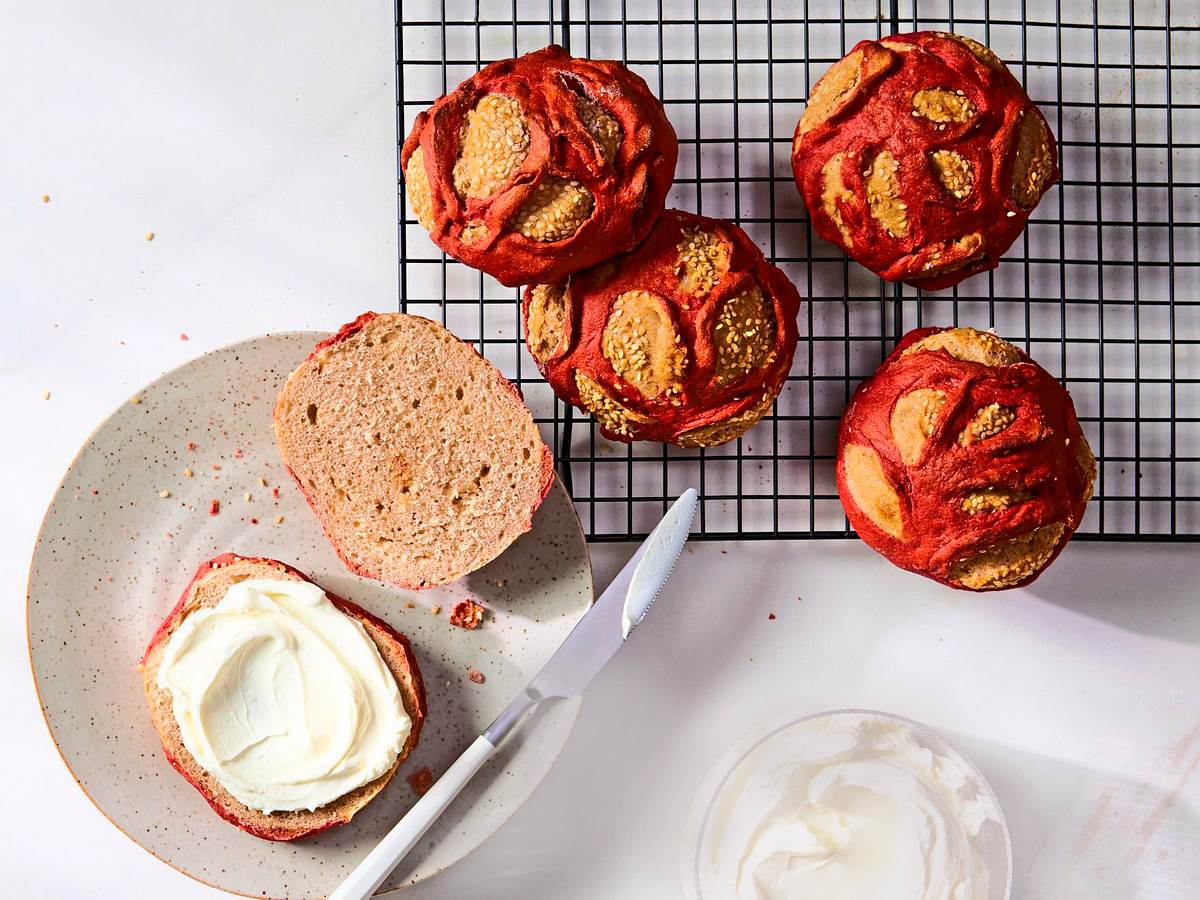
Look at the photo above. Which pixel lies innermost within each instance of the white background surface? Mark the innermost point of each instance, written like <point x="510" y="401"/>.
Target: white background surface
<point x="257" y="143"/>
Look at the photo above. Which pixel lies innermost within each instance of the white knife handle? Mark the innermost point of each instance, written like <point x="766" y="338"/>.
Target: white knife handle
<point x="379" y="863"/>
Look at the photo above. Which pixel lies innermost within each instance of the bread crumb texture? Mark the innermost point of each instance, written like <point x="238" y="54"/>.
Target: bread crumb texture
<point x="418" y="456"/>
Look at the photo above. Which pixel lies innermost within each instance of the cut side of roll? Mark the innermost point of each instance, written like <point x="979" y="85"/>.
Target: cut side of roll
<point x="417" y="455"/>
<point x="209" y="585"/>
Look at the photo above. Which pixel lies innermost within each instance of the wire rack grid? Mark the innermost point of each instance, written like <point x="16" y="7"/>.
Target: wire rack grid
<point x="1101" y="289"/>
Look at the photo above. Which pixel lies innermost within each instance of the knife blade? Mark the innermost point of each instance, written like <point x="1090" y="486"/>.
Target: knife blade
<point x="596" y="637"/>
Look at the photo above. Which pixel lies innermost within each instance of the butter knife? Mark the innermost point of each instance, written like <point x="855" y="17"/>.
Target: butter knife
<point x="592" y="643"/>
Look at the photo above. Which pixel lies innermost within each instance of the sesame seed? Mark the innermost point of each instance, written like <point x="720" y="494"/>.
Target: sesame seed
<point x="164" y="494"/>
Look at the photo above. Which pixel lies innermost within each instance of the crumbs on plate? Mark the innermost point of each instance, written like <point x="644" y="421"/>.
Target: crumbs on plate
<point x="476" y="676"/>
<point x="467" y="614"/>
<point x="421" y="781"/>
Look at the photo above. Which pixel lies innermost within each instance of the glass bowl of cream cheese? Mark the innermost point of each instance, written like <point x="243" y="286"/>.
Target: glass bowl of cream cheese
<point x="853" y="804"/>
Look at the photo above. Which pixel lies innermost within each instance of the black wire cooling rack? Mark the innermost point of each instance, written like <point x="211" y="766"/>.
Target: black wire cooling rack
<point x="1101" y="289"/>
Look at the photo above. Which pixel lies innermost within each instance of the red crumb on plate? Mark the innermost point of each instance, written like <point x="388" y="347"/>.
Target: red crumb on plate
<point x="214" y="507"/>
<point x="254" y="521"/>
<point x="421" y="781"/>
<point x="467" y="614"/>
<point x="182" y="336"/>
<point x="476" y="676"/>
<point x="275" y="492"/>
<point x="191" y="445"/>
<point x="237" y="452"/>
<point x="771" y="617"/>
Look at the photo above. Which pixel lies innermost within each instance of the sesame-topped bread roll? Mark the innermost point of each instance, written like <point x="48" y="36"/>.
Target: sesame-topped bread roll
<point x="540" y="166"/>
<point x="961" y="459"/>
<point x="417" y="455"/>
<point x="921" y="156"/>
<point x="686" y="339"/>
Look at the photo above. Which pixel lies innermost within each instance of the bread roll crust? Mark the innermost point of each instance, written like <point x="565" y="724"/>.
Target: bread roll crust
<point x="921" y="156"/>
<point x="686" y="339"/>
<point x="962" y="459"/>
<point x="540" y="166"/>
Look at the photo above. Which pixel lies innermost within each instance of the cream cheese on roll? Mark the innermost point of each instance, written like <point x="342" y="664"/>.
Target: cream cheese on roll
<point x="282" y="697"/>
<point x="850" y="806"/>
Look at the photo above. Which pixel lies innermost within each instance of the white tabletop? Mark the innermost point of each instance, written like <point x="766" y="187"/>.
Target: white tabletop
<point x="256" y="142"/>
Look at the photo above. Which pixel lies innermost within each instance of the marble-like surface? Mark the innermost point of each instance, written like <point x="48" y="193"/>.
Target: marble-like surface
<point x="257" y="143"/>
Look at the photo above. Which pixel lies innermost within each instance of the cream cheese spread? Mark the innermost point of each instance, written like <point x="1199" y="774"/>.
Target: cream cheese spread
<point x="851" y="806"/>
<point x="282" y="697"/>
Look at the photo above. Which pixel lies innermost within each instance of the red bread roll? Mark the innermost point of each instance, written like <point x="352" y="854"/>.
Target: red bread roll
<point x="961" y="459"/>
<point x="687" y="339"/>
<point x="921" y="156"/>
<point x="539" y="166"/>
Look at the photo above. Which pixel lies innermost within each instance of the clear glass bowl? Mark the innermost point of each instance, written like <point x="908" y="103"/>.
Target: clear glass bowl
<point x="994" y="842"/>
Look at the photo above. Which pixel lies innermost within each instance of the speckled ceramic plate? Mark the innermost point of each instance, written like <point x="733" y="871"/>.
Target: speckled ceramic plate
<point x="121" y="539"/>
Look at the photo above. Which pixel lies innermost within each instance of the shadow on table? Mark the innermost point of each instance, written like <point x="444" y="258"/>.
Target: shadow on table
<point x="1151" y="589"/>
<point x="1086" y="834"/>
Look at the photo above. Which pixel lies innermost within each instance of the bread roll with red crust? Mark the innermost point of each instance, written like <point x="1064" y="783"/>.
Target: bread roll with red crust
<point x="961" y="459"/>
<point x="540" y="166"/>
<point x="686" y="339"/>
<point x="921" y="156"/>
<point x="206" y="589"/>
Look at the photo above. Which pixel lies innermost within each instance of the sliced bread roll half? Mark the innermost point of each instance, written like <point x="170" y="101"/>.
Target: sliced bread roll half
<point x="206" y="589"/>
<point x="417" y="455"/>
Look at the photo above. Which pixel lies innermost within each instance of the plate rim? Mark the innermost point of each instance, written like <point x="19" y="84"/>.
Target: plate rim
<point x="33" y="672"/>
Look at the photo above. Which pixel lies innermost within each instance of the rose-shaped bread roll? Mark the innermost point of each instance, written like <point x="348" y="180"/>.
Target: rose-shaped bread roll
<point x="686" y="339"/>
<point x="921" y="156"/>
<point x="540" y="166"/>
<point x="961" y="459"/>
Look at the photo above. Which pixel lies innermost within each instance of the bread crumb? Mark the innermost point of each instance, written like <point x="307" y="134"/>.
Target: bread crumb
<point x="262" y="482"/>
<point x="216" y="467"/>
<point x="45" y="198"/>
<point x="214" y="507"/>
<point x="410" y="605"/>
<point x="421" y="781"/>
<point x="164" y="494"/>
<point x="188" y="473"/>
<point x="237" y="453"/>
<point x="183" y="336"/>
<point x="476" y="676"/>
<point x="135" y="399"/>
<point x="246" y="496"/>
<point x="275" y="492"/>
<point x="467" y="614"/>
<point x="190" y="445"/>
<point x="279" y="520"/>
<point x="149" y="235"/>
<point x="45" y="395"/>
<point x="436" y="610"/>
